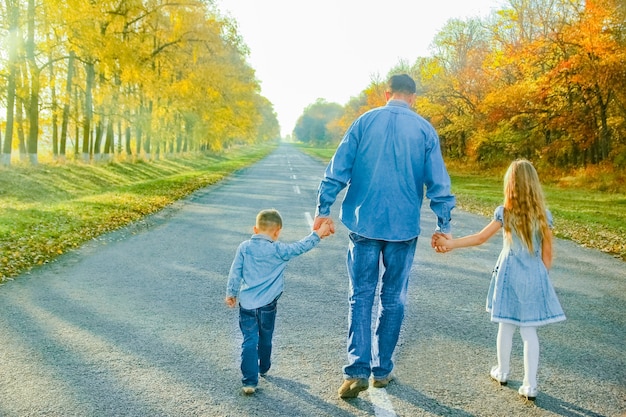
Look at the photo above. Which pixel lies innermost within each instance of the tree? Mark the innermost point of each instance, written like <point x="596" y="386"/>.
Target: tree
<point x="454" y="82"/>
<point x="12" y="15"/>
<point x="166" y="75"/>
<point x="313" y="125"/>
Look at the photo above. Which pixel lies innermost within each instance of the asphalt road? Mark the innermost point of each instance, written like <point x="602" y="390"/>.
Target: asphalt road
<point x="134" y="324"/>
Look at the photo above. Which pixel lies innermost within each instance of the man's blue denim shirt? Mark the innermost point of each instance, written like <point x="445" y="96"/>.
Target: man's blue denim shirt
<point x="256" y="274"/>
<point x="386" y="158"/>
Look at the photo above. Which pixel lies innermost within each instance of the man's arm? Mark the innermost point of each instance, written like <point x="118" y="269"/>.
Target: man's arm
<point x="438" y="185"/>
<point x="336" y="177"/>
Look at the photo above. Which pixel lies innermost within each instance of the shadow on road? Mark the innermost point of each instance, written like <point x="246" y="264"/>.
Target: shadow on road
<point x="563" y="408"/>
<point x="300" y="391"/>
<point x="426" y="403"/>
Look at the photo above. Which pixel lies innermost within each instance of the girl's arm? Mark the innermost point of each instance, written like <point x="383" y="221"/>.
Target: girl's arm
<point x="475" y="239"/>
<point x="546" y="249"/>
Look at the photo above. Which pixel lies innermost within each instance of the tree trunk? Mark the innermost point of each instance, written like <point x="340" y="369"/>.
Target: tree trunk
<point x="77" y="126"/>
<point x="13" y="17"/>
<point x="54" y="121"/>
<point x="33" y="70"/>
<point x="33" y="119"/>
<point x="605" y="132"/>
<point x="139" y="129"/>
<point x="97" y="146"/>
<point x="129" y="151"/>
<point x="119" y="136"/>
<point x="8" y="137"/>
<point x="108" y="141"/>
<point x="147" y="142"/>
<point x="89" y="68"/>
<point x="66" y="105"/>
<point x="21" y="138"/>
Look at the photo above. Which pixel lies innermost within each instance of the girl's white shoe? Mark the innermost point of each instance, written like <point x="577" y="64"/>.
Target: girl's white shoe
<point x="530" y="393"/>
<point x="499" y="377"/>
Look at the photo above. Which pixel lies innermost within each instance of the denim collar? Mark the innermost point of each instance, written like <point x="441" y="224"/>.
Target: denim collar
<point x="399" y="103"/>
<point x="262" y="236"/>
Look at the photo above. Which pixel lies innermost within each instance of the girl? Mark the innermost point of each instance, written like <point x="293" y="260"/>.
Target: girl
<point x="520" y="293"/>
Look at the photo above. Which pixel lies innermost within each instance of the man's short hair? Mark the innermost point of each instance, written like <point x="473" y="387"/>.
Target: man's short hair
<point x="269" y="219"/>
<point x="402" y="83"/>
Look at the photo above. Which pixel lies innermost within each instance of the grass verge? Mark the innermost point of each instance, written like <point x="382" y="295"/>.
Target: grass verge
<point x="591" y="218"/>
<point x="48" y="210"/>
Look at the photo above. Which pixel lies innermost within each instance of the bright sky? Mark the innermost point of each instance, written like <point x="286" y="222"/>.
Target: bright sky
<point x="332" y="49"/>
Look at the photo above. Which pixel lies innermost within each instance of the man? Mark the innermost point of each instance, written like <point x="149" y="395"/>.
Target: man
<point x="386" y="158"/>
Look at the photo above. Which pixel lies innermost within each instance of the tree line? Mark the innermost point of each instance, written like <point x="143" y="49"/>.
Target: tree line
<point x="92" y="79"/>
<point x="540" y="79"/>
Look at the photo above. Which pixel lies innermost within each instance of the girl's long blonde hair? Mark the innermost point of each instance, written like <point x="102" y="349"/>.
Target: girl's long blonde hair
<point x="524" y="204"/>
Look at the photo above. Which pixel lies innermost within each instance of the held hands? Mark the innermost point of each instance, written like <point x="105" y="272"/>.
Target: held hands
<point x="230" y="301"/>
<point x="324" y="226"/>
<point x="441" y="242"/>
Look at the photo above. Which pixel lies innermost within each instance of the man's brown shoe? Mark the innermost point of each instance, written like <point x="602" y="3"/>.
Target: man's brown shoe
<point x="248" y="390"/>
<point x="351" y="387"/>
<point x="382" y="383"/>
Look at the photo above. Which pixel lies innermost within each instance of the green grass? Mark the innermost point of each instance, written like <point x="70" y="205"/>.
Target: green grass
<point x="48" y="210"/>
<point x="592" y="218"/>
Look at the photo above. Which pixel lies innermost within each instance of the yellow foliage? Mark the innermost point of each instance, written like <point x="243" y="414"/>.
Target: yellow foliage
<point x="157" y="67"/>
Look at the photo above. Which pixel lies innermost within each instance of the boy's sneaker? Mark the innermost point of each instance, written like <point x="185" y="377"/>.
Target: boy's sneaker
<point x="249" y="390"/>
<point x="351" y="387"/>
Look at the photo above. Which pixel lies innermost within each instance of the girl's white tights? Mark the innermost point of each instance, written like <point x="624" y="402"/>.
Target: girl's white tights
<point x="531" y="351"/>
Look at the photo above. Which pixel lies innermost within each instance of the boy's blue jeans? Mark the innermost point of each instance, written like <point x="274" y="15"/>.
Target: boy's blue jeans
<point x="257" y="327"/>
<point x="367" y="354"/>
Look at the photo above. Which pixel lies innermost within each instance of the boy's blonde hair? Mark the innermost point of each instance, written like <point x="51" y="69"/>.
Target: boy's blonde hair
<point x="524" y="204"/>
<point x="269" y="219"/>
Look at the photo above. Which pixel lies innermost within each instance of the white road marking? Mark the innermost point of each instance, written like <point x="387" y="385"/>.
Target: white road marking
<point x="293" y="177"/>
<point x="309" y="218"/>
<point x="380" y="401"/>
<point x="296" y="189"/>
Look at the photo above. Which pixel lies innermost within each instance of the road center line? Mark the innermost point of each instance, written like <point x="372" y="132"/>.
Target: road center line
<point x="380" y="401"/>
<point x="309" y="219"/>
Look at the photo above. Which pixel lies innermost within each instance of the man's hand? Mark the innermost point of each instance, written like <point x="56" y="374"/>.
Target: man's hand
<point x="324" y="230"/>
<point x="434" y="239"/>
<point x="321" y="220"/>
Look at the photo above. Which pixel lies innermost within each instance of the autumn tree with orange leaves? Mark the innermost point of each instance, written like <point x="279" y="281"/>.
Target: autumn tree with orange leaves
<point x="539" y="79"/>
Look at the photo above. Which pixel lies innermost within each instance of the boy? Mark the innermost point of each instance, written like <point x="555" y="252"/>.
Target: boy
<point x="256" y="278"/>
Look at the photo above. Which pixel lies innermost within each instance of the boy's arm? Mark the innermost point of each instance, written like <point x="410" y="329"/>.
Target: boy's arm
<point x="235" y="276"/>
<point x="291" y="250"/>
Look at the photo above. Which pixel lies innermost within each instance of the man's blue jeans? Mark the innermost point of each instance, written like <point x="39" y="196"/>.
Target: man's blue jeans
<point x="367" y="354"/>
<point x="257" y="327"/>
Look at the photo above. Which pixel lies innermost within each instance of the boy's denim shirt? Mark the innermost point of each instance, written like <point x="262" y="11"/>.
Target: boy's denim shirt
<point x="256" y="274"/>
<point x="386" y="158"/>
